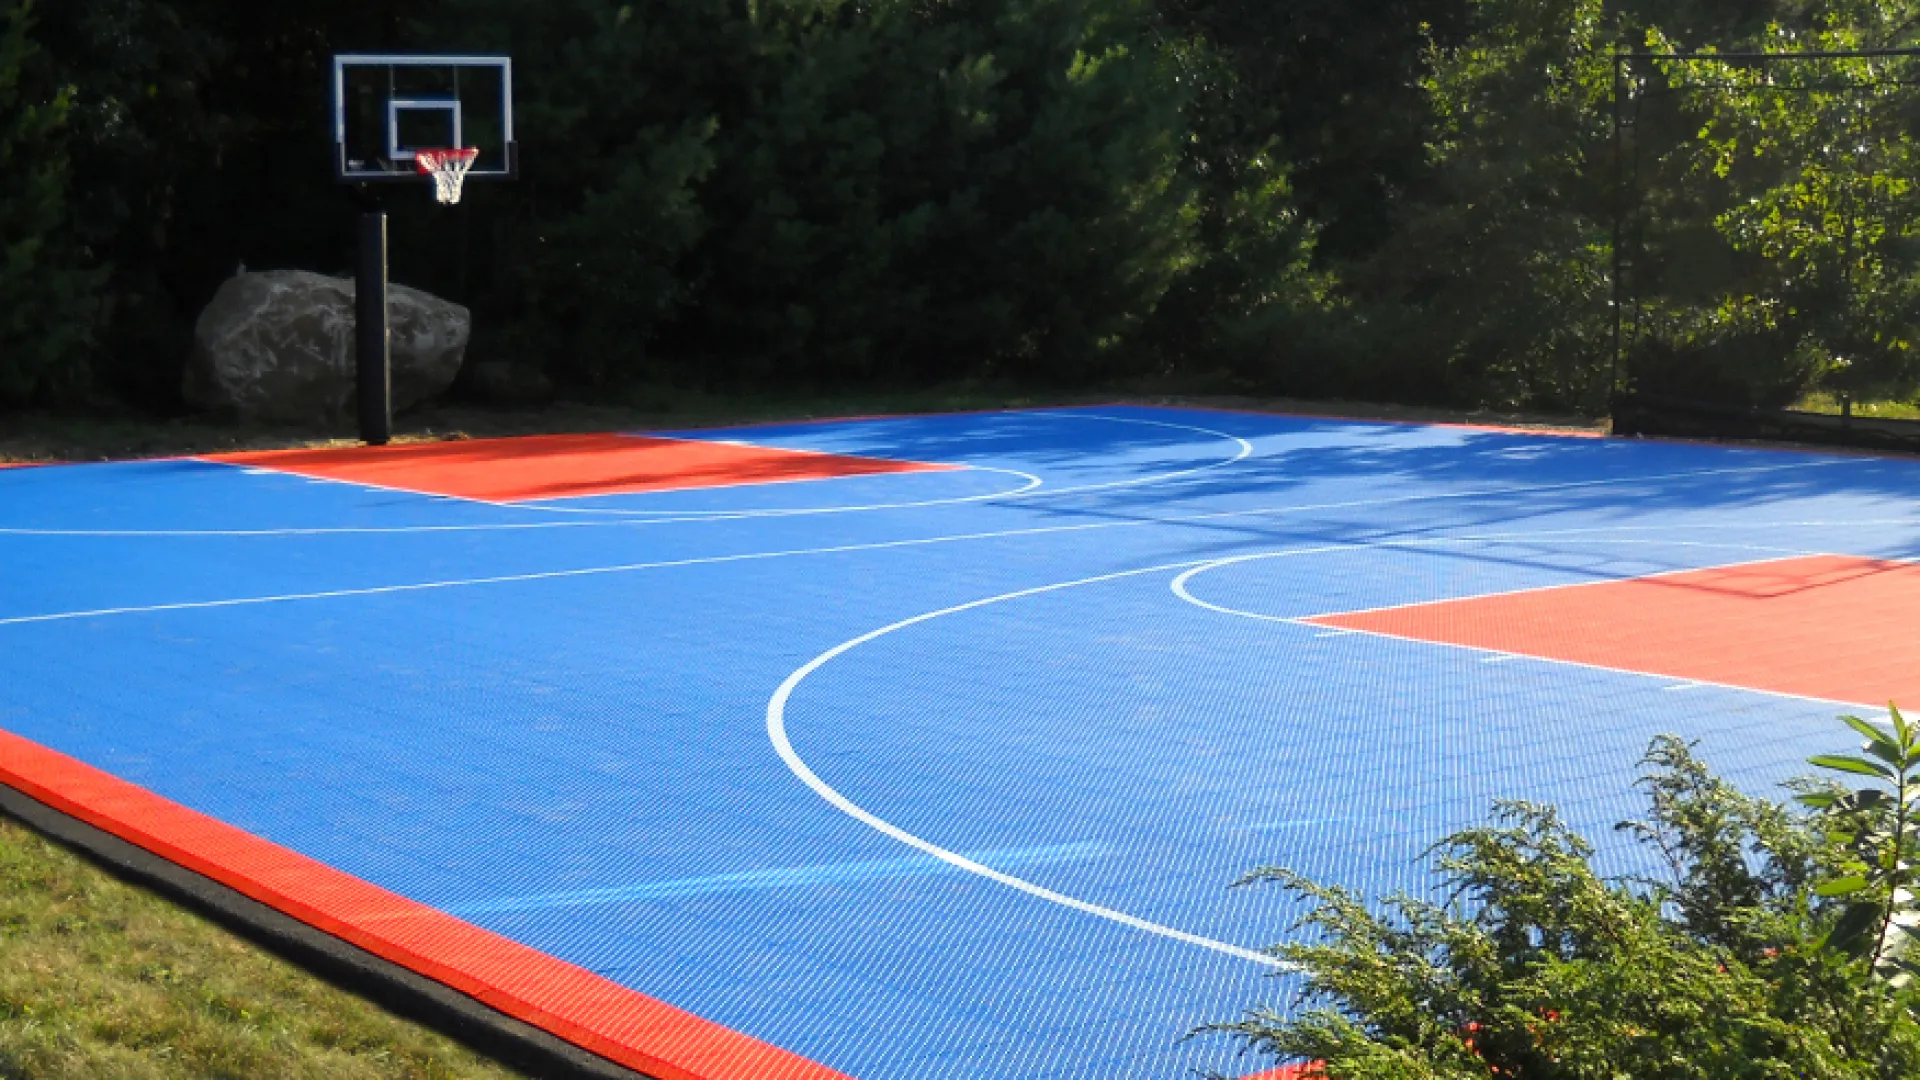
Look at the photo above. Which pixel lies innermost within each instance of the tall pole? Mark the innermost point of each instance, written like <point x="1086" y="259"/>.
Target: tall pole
<point x="1619" y="214"/>
<point x="372" y="340"/>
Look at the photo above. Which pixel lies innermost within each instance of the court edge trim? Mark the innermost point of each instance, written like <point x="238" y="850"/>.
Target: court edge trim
<point x="619" y="1024"/>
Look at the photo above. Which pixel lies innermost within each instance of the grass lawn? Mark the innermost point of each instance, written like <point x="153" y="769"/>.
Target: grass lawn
<point x="1882" y="410"/>
<point x="100" y="980"/>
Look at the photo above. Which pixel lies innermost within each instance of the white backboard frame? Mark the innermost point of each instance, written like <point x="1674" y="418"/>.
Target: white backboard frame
<point x="505" y="168"/>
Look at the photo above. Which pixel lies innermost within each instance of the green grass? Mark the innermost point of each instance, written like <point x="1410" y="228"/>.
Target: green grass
<point x="100" y="980"/>
<point x="1883" y="410"/>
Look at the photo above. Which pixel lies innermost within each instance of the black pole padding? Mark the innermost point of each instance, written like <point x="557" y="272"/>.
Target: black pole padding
<point x="373" y="359"/>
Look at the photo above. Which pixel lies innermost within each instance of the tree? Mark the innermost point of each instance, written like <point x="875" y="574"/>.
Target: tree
<point x="47" y="287"/>
<point x="1779" y="223"/>
<point x="1500" y="271"/>
<point x="826" y="191"/>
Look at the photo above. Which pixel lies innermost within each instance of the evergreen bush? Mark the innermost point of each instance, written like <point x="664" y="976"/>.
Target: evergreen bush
<point x="1772" y="942"/>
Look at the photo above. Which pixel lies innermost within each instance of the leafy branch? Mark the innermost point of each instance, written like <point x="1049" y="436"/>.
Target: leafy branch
<point x="1877" y="827"/>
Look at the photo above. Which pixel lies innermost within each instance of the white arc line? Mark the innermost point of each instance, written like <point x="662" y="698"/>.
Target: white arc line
<point x="783" y="745"/>
<point x="624" y="519"/>
<point x="645" y="516"/>
<point x="1175" y="519"/>
<point x="777" y="734"/>
<point x="544" y="575"/>
<point x="377" y="590"/>
<point x="1179" y="589"/>
<point x="601" y="517"/>
<point x="1034" y="489"/>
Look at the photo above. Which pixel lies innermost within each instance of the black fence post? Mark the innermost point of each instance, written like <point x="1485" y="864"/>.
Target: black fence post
<point x="1619" y="217"/>
<point x="372" y="341"/>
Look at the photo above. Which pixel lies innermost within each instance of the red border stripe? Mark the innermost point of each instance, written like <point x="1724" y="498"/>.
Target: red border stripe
<point x="577" y="1005"/>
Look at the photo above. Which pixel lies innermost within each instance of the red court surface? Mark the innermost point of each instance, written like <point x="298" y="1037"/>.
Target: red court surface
<point x="619" y="1024"/>
<point x="565" y="466"/>
<point x="1823" y="626"/>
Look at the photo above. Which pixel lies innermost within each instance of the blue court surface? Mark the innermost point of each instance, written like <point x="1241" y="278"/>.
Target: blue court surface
<point x="919" y="775"/>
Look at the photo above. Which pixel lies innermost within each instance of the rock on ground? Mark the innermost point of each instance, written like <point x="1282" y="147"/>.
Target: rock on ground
<point x="278" y="347"/>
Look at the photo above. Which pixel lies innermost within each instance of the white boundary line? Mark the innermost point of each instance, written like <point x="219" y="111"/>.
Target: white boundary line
<point x="544" y="505"/>
<point x="613" y="516"/>
<point x="1176" y="519"/>
<point x="534" y="505"/>
<point x="628" y="520"/>
<point x="782" y="745"/>
<point x="1032" y="490"/>
<point x="318" y="530"/>
<point x="740" y="444"/>
<point x="252" y="469"/>
<point x="777" y="731"/>
<point x="1491" y="655"/>
<point x="1789" y="555"/>
<point x="669" y="516"/>
<point x="376" y="590"/>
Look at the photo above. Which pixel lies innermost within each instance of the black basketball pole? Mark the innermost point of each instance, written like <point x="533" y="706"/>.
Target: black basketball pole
<point x="372" y="340"/>
<point x="1619" y="201"/>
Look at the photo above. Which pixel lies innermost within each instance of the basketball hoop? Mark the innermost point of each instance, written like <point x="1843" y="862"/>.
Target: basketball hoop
<point x="448" y="169"/>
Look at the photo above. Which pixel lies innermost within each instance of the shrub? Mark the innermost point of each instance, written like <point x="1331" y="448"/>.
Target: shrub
<point x="1773" y="945"/>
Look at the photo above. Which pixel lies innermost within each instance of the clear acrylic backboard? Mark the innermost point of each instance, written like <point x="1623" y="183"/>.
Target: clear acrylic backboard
<point x="387" y="108"/>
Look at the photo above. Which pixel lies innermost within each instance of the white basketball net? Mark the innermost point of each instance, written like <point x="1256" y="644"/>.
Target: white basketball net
<point x="448" y="169"/>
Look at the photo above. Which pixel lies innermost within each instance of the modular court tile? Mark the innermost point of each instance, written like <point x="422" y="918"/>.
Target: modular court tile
<point x="941" y="763"/>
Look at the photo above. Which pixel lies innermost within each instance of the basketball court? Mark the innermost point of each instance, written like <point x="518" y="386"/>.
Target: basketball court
<point x="918" y="747"/>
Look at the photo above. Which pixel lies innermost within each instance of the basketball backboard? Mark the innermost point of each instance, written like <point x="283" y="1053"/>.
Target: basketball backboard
<point x="388" y="108"/>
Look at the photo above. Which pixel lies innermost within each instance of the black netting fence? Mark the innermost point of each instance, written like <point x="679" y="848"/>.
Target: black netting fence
<point x="1767" y="244"/>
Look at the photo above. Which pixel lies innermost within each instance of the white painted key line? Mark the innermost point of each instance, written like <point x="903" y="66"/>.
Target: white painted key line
<point x="1181" y="587"/>
<point x="1033" y="489"/>
<point x="602" y="517"/>
<point x="1175" y="519"/>
<point x="777" y="730"/>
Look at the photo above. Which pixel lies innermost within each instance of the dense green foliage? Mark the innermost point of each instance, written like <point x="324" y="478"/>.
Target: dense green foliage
<point x="1775" y="943"/>
<point x="46" y="293"/>
<point x="1408" y="199"/>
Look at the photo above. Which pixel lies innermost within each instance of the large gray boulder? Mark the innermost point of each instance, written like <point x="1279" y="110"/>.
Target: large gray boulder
<point x="278" y="347"/>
